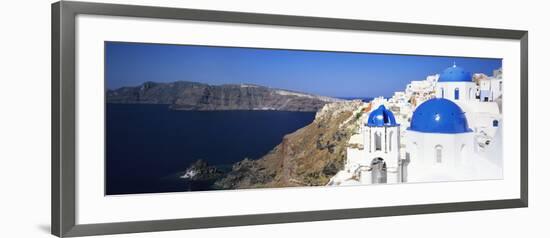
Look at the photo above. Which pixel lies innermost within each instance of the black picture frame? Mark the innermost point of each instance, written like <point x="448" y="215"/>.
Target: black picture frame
<point x="63" y="117"/>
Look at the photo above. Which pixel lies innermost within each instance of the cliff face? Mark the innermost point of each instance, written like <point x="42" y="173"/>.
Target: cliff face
<point x="197" y="96"/>
<point x="307" y="157"/>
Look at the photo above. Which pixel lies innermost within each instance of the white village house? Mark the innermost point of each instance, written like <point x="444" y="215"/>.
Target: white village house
<point x="444" y="128"/>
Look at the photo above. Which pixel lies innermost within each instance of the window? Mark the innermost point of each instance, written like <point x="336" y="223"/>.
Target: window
<point x="462" y="154"/>
<point x="438" y="154"/>
<point x="390" y="140"/>
<point x="500" y="86"/>
<point x="442" y="93"/>
<point x="470" y="94"/>
<point x="377" y="141"/>
<point x="456" y="94"/>
<point x="495" y="123"/>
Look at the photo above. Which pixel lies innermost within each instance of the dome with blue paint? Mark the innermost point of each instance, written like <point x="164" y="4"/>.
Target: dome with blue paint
<point x="439" y="115"/>
<point x="381" y="117"/>
<point x="455" y="74"/>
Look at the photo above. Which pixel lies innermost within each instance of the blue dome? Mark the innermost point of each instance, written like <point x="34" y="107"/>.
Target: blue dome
<point x="455" y="74"/>
<point x="439" y="115"/>
<point x="381" y="117"/>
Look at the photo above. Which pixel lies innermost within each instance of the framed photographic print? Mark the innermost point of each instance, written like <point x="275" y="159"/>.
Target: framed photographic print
<point x="167" y="118"/>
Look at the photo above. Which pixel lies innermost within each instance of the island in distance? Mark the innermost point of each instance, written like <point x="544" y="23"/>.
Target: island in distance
<point x="193" y="96"/>
<point x="309" y="156"/>
<point x="182" y="118"/>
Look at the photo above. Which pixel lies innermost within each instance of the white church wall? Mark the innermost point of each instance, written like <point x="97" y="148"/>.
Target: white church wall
<point x="456" y="153"/>
<point x="467" y="90"/>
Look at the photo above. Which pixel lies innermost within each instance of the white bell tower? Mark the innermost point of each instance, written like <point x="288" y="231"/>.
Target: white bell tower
<point x="381" y="140"/>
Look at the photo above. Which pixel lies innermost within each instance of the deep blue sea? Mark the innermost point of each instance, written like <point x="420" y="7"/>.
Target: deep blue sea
<point x="149" y="146"/>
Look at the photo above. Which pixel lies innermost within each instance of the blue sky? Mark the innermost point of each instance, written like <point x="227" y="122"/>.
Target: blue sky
<point x="337" y="74"/>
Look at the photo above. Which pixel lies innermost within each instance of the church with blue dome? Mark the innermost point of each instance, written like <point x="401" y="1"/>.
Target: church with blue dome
<point x="439" y="139"/>
<point x="439" y="115"/>
<point x="438" y="129"/>
<point x="381" y="140"/>
<point x="455" y="74"/>
<point x="381" y="117"/>
<point x="456" y="84"/>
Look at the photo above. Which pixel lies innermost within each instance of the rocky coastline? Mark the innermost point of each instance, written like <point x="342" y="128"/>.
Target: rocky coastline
<point x="193" y="96"/>
<point x="309" y="156"/>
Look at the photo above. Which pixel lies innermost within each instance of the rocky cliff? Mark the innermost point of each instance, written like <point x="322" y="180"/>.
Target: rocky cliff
<point x="201" y="170"/>
<point x="184" y="95"/>
<point x="307" y="157"/>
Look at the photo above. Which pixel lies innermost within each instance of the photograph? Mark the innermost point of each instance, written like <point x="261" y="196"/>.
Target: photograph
<point x="187" y="118"/>
<point x="141" y="118"/>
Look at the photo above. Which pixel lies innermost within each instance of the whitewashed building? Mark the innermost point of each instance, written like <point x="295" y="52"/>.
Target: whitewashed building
<point x="438" y="129"/>
<point x="440" y="142"/>
<point x="490" y="88"/>
<point x="382" y="145"/>
<point x="456" y="84"/>
<point x="377" y="160"/>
